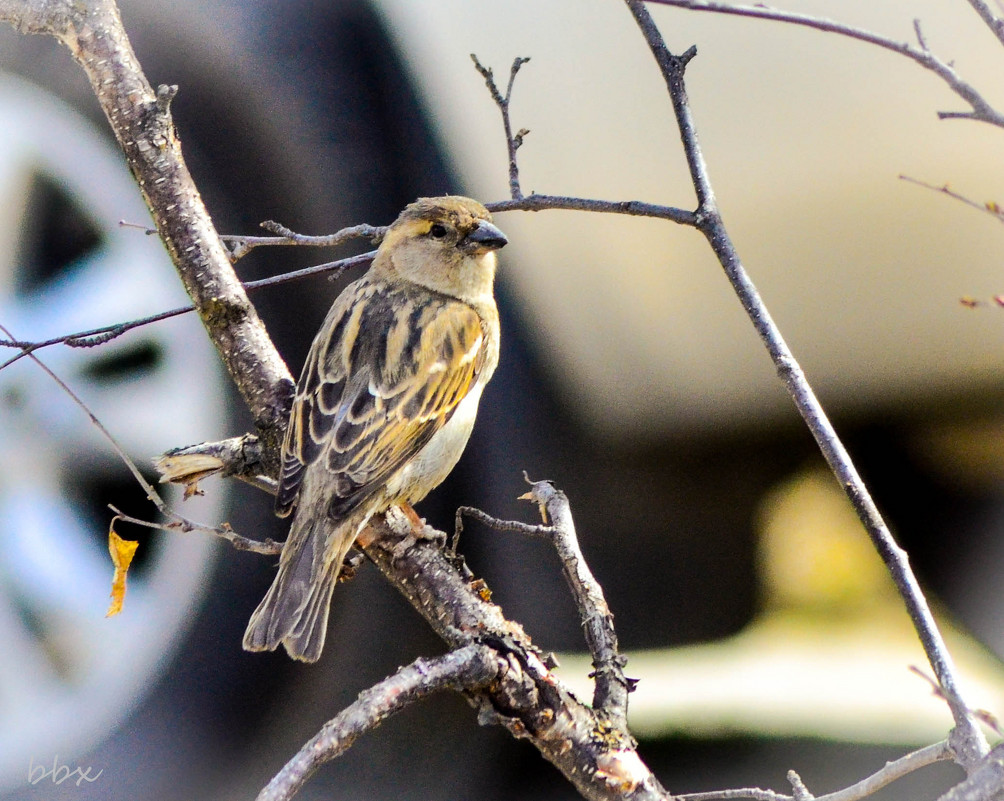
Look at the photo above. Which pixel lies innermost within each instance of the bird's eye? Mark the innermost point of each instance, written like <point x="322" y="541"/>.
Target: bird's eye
<point x="437" y="231"/>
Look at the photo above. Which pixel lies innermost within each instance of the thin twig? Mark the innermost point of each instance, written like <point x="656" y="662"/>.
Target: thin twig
<point x="240" y="246"/>
<point x="86" y="339"/>
<point x="268" y="547"/>
<point x="753" y="793"/>
<point x="890" y="772"/>
<point x="612" y="687"/>
<point x="99" y="336"/>
<point x="981" y="109"/>
<point x="179" y="522"/>
<point x="969" y="743"/>
<point x="465" y="670"/>
<point x="634" y="208"/>
<point x="493" y="522"/>
<point x="338" y="267"/>
<point x="151" y="492"/>
<point x="513" y="142"/>
<point x="897" y="769"/>
<point x="990" y="207"/>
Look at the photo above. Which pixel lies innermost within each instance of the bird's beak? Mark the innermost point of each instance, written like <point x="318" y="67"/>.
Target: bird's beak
<point x="485" y="237"/>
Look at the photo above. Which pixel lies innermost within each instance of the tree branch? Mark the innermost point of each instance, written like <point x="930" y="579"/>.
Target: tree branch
<point x="968" y="741"/>
<point x="267" y="547"/>
<point x="985" y="783"/>
<point x="466" y="669"/>
<point x="141" y="121"/>
<point x="981" y="109"/>
<point x="513" y="142"/>
<point x="634" y="208"/>
<point x="993" y="22"/>
<point x="240" y="245"/>
<point x="598" y="757"/>
<point x="99" y="336"/>
<point x="612" y="686"/>
<point x="240" y="457"/>
<point x="890" y="772"/>
<point x="990" y="207"/>
<point x="591" y="747"/>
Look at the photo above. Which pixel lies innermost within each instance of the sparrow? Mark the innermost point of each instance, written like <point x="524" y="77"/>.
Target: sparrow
<point x="384" y="406"/>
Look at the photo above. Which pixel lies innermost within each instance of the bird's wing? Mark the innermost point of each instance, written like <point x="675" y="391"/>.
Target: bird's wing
<point x="385" y="374"/>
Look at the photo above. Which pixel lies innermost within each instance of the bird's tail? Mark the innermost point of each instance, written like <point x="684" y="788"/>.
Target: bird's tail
<point x="294" y="611"/>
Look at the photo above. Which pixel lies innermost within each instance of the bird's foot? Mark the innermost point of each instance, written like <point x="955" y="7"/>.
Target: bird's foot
<point x="420" y="530"/>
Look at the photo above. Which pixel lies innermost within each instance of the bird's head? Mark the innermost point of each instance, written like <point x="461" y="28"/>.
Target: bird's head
<point x="446" y="244"/>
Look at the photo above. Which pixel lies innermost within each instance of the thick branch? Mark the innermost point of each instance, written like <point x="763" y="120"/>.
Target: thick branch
<point x="141" y="121"/>
<point x="596" y="756"/>
<point x="968" y="740"/>
<point x="986" y="783"/>
<point x="465" y="670"/>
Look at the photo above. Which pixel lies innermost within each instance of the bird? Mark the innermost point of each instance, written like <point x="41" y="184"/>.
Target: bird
<point x="384" y="405"/>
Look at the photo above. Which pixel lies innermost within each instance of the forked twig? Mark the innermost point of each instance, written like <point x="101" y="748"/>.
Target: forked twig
<point x="612" y="685"/>
<point x="178" y="522"/>
<point x="240" y="246"/>
<point x="981" y="109"/>
<point x="610" y="695"/>
<point x="267" y="547"/>
<point x="890" y="772"/>
<point x="513" y="141"/>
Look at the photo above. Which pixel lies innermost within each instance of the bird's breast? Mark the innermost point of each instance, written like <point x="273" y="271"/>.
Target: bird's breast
<point x="435" y="461"/>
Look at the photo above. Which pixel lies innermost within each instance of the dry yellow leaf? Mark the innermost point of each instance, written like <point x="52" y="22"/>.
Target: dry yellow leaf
<point x="122" y="552"/>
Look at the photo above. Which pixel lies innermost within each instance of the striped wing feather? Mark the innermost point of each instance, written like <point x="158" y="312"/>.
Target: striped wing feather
<point x="386" y="373"/>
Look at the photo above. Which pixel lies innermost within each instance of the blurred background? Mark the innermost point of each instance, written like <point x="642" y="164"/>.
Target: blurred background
<point x="763" y="630"/>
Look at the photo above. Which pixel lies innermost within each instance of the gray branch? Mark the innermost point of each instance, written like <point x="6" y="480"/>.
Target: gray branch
<point x="992" y="21"/>
<point x="467" y="669"/>
<point x="985" y="783"/>
<point x="598" y="757"/>
<point x="981" y="109"/>
<point x="140" y="119"/>
<point x="612" y="686"/>
<point x="967" y="740"/>
<point x="590" y="747"/>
